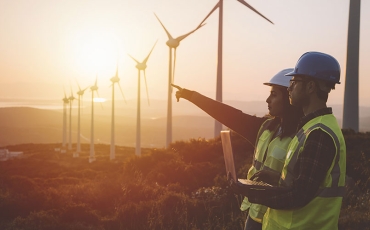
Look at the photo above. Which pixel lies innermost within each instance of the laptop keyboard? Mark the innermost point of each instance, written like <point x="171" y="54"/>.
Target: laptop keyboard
<point x="252" y="182"/>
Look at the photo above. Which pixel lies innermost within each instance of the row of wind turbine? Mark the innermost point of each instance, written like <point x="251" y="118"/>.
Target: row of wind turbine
<point x="173" y="44"/>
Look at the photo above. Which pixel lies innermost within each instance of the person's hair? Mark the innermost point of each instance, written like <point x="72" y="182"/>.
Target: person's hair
<point x="290" y="117"/>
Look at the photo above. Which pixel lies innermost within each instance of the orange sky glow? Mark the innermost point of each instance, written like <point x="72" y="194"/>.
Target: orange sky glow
<point x="47" y="45"/>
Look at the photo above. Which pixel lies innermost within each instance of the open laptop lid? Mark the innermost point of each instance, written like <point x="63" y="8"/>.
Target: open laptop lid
<point x="228" y="153"/>
<point x="230" y="166"/>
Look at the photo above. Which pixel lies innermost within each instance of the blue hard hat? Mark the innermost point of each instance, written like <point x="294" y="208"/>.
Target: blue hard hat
<point x="317" y="65"/>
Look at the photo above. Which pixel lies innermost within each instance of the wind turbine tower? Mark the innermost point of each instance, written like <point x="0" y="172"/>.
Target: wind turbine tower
<point x="65" y="102"/>
<point x="80" y="94"/>
<point x="351" y="105"/>
<point x="92" y="151"/>
<point x="172" y="43"/>
<point x="141" y="66"/>
<point x="71" y="98"/>
<point x="114" y="80"/>
<point x="219" y="5"/>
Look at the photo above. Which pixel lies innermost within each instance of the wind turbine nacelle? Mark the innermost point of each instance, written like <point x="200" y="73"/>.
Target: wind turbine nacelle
<point x="80" y="93"/>
<point x="173" y="43"/>
<point x="93" y="88"/>
<point x="141" y="66"/>
<point x="115" y="79"/>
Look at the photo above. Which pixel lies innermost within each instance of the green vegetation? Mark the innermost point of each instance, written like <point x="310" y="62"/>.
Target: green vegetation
<point x="180" y="188"/>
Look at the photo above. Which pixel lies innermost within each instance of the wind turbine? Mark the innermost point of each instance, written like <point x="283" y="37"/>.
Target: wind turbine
<point x="140" y="66"/>
<point x="65" y="102"/>
<point x="80" y="94"/>
<point x="114" y="80"/>
<point x="219" y="5"/>
<point x="350" y="106"/>
<point x="92" y="151"/>
<point x="71" y="98"/>
<point x="172" y="43"/>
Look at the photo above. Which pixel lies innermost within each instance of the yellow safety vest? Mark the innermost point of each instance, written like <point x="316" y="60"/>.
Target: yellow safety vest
<point x="322" y="212"/>
<point x="274" y="152"/>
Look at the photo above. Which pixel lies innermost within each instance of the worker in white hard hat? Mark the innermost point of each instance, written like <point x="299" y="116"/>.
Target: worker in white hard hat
<point x="312" y="183"/>
<point x="271" y="134"/>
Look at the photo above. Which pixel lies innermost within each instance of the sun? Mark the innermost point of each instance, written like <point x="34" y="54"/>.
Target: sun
<point x="96" y="51"/>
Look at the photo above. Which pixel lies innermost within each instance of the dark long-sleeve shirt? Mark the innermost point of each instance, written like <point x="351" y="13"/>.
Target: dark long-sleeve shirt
<point x="311" y="167"/>
<point x="244" y="124"/>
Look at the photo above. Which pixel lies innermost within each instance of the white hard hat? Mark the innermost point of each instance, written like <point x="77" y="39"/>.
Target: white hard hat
<point x="280" y="78"/>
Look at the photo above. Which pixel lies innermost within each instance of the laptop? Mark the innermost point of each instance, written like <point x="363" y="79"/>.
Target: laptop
<point x="230" y="165"/>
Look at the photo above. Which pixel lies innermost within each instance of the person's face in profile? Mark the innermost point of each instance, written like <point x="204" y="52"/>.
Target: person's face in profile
<point x="275" y="102"/>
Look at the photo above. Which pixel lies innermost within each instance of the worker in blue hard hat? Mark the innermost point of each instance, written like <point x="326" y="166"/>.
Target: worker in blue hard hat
<point x="272" y="133"/>
<point x="313" y="177"/>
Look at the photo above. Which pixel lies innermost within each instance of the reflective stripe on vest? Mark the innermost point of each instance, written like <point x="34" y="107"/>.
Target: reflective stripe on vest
<point x="332" y="191"/>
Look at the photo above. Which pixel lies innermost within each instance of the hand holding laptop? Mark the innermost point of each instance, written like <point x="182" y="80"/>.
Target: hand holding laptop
<point x="236" y="186"/>
<point x="267" y="176"/>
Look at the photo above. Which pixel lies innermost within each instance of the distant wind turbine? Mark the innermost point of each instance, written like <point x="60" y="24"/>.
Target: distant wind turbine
<point x="141" y="66"/>
<point x="172" y="43"/>
<point x="351" y="94"/>
<point x="80" y="94"/>
<point x="92" y="151"/>
<point x="71" y="98"/>
<point x="114" y="80"/>
<point x="219" y="5"/>
<point x="65" y="102"/>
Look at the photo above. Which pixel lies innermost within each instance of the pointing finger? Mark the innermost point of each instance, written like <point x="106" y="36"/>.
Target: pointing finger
<point x="176" y="86"/>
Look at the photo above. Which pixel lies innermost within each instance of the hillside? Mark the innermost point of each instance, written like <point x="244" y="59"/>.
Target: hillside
<point x="183" y="187"/>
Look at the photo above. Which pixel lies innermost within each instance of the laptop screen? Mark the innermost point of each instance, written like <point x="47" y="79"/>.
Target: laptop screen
<point x="228" y="153"/>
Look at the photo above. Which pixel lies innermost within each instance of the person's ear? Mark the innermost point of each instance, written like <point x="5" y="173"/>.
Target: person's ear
<point x="311" y="87"/>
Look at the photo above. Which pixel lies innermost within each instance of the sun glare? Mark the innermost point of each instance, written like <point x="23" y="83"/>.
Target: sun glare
<point x="99" y="99"/>
<point x="96" y="51"/>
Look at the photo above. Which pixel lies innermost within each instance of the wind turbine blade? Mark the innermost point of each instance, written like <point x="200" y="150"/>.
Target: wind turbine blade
<point x="146" y="86"/>
<point x="250" y="7"/>
<point x="168" y="34"/>
<point x="147" y="57"/>
<point x="119" y="85"/>
<point x="96" y="80"/>
<point x="174" y="65"/>
<point x="71" y="91"/>
<point x="134" y="59"/>
<point x="97" y="93"/>
<point x="180" y="38"/>
<point x="214" y="8"/>
<point x="79" y="88"/>
<point x="117" y="69"/>
<point x="65" y="95"/>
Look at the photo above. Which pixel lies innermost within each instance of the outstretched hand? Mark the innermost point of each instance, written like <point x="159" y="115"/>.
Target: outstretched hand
<point x="179" y="92"/>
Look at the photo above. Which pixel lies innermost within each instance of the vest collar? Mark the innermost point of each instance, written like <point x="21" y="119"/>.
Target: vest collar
<point x="313" y="115"/>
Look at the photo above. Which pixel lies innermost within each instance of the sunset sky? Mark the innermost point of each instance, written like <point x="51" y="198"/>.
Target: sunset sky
<point x="45" y="45"/>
